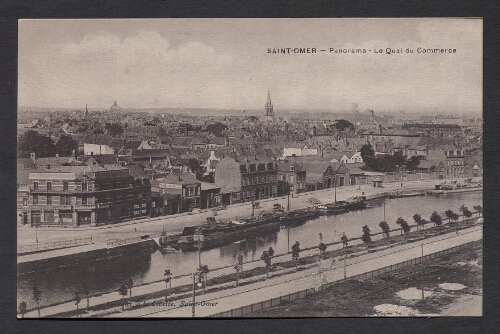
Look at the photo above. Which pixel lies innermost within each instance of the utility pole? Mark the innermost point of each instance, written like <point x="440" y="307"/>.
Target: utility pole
<point x="199" y="250"/>
<point x="384" y="209"/>
<point x="422" y="276"/>
<point x="335" y="188"/>
<point x="288" y="238"/>
<point x="288" y="202"/>
<point x="345" y="259"/>
<point x="194" y="295"/>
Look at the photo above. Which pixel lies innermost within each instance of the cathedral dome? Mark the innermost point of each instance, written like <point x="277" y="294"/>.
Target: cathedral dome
<point x="115" y="107"/>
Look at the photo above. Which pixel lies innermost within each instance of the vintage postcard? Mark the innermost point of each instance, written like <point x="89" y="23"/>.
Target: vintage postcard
<point x="178" y="168"/>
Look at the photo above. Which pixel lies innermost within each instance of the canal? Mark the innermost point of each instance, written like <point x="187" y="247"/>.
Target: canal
<point x="59" y="285"/>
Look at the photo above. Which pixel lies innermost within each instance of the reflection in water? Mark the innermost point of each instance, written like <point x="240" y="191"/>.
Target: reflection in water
<point x="102" y="276"/>
<point x="106" y="276"/>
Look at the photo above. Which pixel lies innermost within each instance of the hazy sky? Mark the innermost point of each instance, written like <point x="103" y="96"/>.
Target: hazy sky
<point x="223" y="63"/>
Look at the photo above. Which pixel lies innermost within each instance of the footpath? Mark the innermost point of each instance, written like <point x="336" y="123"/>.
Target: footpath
<point x="286" y="275"/>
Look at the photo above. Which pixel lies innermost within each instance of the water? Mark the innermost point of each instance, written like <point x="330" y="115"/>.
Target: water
<point x="106" y="276"/>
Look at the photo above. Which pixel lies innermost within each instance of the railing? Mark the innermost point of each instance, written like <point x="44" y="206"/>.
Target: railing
<point x="245" y="310"/>
<point x="118" y="242"/>
<point x="52" y="245"/>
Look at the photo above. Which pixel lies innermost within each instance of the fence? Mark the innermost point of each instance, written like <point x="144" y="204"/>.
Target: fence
<point x="118" y="242"/>
<point x="52" y="245"/>
<point x="245" y="310"/>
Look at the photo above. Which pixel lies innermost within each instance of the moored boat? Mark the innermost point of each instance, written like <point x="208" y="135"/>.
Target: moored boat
<point x="218" y="233"/>
<point x="297" y="216"/>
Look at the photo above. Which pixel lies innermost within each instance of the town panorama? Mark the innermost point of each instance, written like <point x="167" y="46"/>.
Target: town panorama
<point x="92" y="180"/>
<point x="179" y="168"/>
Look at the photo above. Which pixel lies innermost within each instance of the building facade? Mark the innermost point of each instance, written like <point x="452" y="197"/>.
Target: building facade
<point x="83" y="195"/>
<point x="247" y="179"/>
<point x="293" y="177"/>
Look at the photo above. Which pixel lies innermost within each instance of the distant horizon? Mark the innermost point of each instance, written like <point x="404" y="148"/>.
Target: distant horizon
<point x="365" y="111"/>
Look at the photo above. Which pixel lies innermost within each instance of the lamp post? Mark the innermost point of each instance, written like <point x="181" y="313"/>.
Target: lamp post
<point x="201" y="272"/>
<point x="199" y="249"/>
<point x="422" y="276"/>
<point x="36" y="231"/>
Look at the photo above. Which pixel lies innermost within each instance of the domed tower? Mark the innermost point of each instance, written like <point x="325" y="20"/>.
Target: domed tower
<point x="269" y="105"/>
<point x="115" y="107"/>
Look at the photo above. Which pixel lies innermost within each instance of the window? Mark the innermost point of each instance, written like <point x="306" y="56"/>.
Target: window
<point x="291" y="178"/>
<point x="65" y="200"/>
<point x="35" y="185"/>
<point x="49" y="185"/>
<point x="49" y="200"/>
<point x="292" y="168"/>
<point x="85" y="186"/>
<point x="65" y="186"/>
<point x="84" y="201"/>
<point x="25" y="201"/>
<point x="35" y="199"/>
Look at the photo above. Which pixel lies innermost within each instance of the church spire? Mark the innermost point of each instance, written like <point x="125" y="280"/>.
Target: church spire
<point x="269" y="104"/>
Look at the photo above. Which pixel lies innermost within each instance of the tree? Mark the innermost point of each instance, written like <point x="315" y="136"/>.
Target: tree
<point x="123" y="291"/>
<point x="130" y="284"/>
<point x="449" y="214"/>
<point x="342" y="124"/>
<point x="466" y="212"/>
<point x="113" y="129"/>
<point x="367" y="152"/>
<point x="479" y="209"/>
<point x="37" y="297"/>
<point x="436" y="219"/>
<point x="218" y="129"/>
<point x="66" y="145"/>
<point x="344" y="240"/>
<point x="168" y="280"/>
<point x="42" y="146"/>
<point x="267" y="260"/>
<point x="78" y="299"/>
<point x="296" y="252"/>
<point x="405" y="227"/>
<point x="418" y="219"/>
<point x="204" y="272"/>
<point x="413" y="162"/>
<point x="23" y="308"/>
<point x="322" y="249"/>
<point x="386" y="230"/>
<point x="366" y="237"/>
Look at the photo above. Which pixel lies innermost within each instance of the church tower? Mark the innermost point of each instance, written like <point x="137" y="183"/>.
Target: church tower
<point x="269" y="105"/>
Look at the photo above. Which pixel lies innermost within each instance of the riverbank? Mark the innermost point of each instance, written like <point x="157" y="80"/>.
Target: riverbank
<point x="452" y="286"/>
<point x="225" y="278"/>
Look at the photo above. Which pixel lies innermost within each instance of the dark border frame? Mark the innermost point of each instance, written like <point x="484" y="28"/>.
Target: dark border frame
<point x="12" y="10"/>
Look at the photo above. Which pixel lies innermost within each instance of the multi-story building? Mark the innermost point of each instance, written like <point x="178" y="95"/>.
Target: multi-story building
<point x="434" y="130"/>
<point x="291" y="175"/>
<point x="455" y="163"/>
<point x="76" y="195"/>
<point x="181" y="188"/>
<point x="247" y="178"/>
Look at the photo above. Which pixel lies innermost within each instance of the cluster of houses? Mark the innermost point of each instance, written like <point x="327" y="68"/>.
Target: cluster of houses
<point x="149" y="171"/>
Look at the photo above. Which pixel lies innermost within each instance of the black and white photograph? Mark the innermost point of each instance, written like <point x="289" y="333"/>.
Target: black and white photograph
<point x="250" y="168"/>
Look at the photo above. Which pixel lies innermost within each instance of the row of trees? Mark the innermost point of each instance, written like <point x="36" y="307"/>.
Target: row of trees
<point x="434" y="218"/>
<point x="44" y="146"/>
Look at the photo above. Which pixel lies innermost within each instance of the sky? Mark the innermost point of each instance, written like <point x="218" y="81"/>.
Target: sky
<point x="225" y="64"/>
